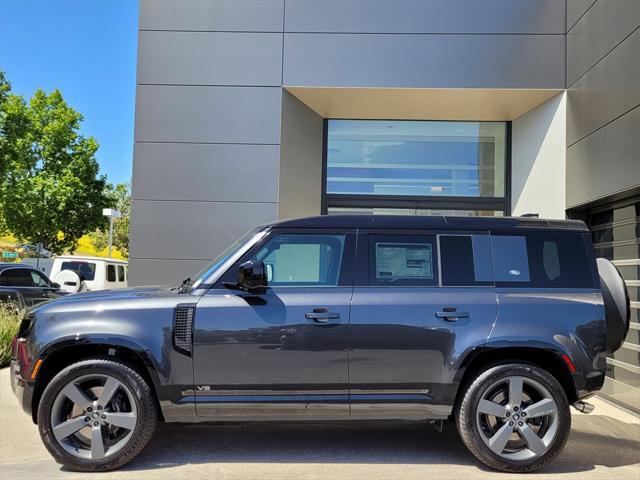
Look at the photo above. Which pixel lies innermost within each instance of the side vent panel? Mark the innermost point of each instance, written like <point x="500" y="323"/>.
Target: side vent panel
<point x="183" y="328"/>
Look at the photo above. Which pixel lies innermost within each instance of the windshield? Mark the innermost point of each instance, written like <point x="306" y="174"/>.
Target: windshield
<point x="229" y="252"/>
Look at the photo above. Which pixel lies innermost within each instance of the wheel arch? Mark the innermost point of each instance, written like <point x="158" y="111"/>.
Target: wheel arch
<point x="64" y="354"/>
<point x="547" y="359"/>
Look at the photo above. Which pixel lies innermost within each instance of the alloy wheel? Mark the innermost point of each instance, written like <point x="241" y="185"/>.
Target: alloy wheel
<point x="94" y="416"/>
<point x="517" y="418"/>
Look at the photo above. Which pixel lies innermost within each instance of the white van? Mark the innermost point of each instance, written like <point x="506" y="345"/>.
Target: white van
<point x="81" y="274"/>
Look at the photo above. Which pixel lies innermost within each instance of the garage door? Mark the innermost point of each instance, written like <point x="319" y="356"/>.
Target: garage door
<point x="616" y="235"/>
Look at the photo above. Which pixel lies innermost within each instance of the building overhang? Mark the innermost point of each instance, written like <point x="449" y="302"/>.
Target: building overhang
<point x="421" y="103"/>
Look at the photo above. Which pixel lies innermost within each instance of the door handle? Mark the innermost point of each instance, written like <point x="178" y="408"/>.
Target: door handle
<point x="321" y="315"/>
<point x="451" y="314"/>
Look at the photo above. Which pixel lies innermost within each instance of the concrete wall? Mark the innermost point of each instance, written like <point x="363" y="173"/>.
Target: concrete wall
<point x="211" y="115"/>
<point x="538" y="165"/>
<point x="603" y="118"/>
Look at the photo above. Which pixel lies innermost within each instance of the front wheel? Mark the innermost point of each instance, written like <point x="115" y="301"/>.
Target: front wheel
<point x="96" y="415"/>
<point x="514" y="418"/>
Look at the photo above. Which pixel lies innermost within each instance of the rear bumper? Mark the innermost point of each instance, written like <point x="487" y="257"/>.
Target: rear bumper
<point x="589" y="383"/>
<point x="22" y="388"/>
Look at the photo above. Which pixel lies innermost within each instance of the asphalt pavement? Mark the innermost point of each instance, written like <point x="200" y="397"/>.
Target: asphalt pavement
<point x="602" y="445"/>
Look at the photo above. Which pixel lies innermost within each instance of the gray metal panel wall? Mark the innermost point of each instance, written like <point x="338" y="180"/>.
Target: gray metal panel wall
<point x="603" y="99"/>
<point x="193" y="230"/>
<point x="576" y="9"/>
<point x="610" y="89"/>
<point x="208" y="114"/>
<point x="212" y="15"/>
<point x="206" y="172"/>
<point x="206" y="159"/>
<point x="210" y="58"/>
<point x="598" y="32"/>
<point x="209" y="97"/>
<point x="425" y="16"/>
<point x="429" y="61"/>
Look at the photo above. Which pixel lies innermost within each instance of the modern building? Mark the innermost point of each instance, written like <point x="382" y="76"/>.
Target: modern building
<point x="252" y="110"/>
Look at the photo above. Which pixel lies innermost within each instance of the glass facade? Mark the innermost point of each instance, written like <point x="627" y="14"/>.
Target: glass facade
<point x="395" y="158"/>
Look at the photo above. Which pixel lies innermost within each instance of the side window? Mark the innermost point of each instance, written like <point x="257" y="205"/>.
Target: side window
<point x="86" y="270"/>
<point x="303" y="259"/>
<point x="465" y="260"/>
<point x="39" y="280"/>
<point x="402" y="260"/>
<point x="541" y="260"/>
<point x="111" y="273"/>
<point x="120" y="273"/>
<point x="510" y="260"/>
<point x="18" y="277"/>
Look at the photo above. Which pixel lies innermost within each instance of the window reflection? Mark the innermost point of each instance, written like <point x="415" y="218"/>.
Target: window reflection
<point x="416" y="158"/>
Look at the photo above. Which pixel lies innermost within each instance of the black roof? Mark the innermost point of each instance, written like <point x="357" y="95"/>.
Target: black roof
<point x="423" y="221"/>
<point x="5" y="265"/>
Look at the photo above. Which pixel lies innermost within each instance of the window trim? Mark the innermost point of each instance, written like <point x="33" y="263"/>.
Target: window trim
<point x="335" y="200"/>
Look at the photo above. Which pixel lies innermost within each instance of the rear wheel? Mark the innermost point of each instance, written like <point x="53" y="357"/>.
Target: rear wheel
<point x="514" y="418"/>
<point x="96" y="415"/>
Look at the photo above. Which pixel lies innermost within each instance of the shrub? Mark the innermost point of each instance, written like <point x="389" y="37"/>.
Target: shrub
<point x="9" y="323"/>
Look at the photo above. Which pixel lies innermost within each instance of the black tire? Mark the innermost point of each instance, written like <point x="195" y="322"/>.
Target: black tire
<point x="145" y="407"/>
<point x="469" y="427"/>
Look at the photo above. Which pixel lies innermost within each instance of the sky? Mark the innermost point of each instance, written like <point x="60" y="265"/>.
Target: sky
<point x="87" y="50"/>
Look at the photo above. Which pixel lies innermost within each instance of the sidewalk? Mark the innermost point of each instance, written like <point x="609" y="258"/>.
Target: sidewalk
<point x="602" y="445"/>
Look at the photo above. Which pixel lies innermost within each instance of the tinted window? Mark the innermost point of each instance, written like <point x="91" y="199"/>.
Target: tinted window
<point x="402" y="260"/>
<point x="39" y="280"/>
<point x="86" y="270"/>
<point x="510" y="261"/>
<point x="465" y="260"/>
<point x="302" y="259"/>
<point x="120" y="273"/>
<point x="541" y="260"/>
<point x="111" y="273"/>
<point x="17" y="277"/>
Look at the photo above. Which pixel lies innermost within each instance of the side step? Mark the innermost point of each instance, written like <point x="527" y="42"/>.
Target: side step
<point x="583" y="407"/>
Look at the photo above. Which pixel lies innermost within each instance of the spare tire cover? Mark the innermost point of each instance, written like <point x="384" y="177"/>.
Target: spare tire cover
<point x="69" y="281"/>
<point x="616" y="304"/>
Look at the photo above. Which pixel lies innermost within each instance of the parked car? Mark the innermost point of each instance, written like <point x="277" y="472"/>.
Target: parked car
<point x="33" y="285"/>
<point x="12" y="300"/>
<point x="32" y="250"/>
<point x="77" y="273"/>
<point x="500" y="324"/>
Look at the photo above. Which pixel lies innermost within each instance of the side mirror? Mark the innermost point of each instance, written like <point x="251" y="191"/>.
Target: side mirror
<point x="252" y="276"/>
<point x="55" y="285"/>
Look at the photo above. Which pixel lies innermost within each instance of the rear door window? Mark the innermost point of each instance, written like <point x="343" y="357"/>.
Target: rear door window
<point x="402" y="260"/>
<point x="541" y="260"/>
<point x="120" y="273"/>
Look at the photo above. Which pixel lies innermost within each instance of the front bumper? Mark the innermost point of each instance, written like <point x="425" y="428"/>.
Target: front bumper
<point x="22" y="387"/>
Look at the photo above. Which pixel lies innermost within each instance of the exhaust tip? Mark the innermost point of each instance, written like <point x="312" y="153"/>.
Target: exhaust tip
<point x="583" y="407"/>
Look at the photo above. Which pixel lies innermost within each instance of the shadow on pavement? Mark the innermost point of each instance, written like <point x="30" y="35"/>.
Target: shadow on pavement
<point x="594" y="440"/>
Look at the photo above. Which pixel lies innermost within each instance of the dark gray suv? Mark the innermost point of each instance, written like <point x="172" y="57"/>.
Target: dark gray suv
<point x="498" y="324"/>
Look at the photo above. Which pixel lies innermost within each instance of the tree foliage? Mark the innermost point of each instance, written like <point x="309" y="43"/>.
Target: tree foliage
<point x="50" y="187"/>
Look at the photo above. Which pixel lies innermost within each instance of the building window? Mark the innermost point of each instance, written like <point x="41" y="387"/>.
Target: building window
<point x="416" y="167"/>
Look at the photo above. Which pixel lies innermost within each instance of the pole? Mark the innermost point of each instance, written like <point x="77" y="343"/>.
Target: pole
<point x="110" y="233"/>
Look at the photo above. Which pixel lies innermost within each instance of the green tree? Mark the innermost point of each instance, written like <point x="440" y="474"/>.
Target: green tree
<point x="50" y="189"/>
